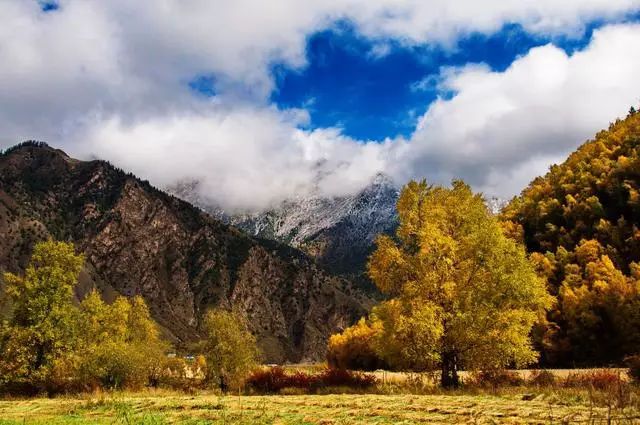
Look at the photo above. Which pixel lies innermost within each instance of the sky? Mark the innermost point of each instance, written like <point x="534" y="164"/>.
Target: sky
<point x="264" y="101"/>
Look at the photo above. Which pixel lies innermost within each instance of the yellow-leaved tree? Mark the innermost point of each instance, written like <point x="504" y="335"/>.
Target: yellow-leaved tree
<point x="229" y="348"/>
<point x="40" y="329"/>
<point x="461" y="293"/>
<point x="50" y="343"/>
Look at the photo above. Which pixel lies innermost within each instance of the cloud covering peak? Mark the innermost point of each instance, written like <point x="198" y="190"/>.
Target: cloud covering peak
<point x="111" y="79"/>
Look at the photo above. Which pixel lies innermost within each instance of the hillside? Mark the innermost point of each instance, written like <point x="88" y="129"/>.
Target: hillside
<point x="338" y="232"/>
<point x="583" y="220"/>
<point x="139" y="240"/>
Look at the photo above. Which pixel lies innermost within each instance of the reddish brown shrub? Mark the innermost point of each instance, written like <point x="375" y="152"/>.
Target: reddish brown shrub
<point x="495" y="378"/>
<point x="596" y="379"/>
<point x="345" y="378"/>
<point x="275" y="379"/>
<point x="267" y="380"/>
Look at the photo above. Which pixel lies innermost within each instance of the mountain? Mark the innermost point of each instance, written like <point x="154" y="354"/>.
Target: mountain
<point x="339" y="232"/>
<point x="139" y="240"/>
<point x="495" y="204"/>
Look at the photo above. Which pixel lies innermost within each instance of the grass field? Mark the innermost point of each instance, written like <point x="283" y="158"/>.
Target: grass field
<point x="170" y="408"/>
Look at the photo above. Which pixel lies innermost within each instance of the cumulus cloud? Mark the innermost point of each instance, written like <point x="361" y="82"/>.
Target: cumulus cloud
<point x="110" y="79"/>
<point x="501" y="129"/>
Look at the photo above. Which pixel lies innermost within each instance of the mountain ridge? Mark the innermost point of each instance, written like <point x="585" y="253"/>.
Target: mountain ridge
<point x="338" y="232"/>
<point x="139" y="240"/>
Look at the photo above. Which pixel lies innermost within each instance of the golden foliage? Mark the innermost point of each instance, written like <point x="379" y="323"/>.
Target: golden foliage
<point x="354" y="348"/>
<point x="582" y="219"/>
<point x="463" y="294"/>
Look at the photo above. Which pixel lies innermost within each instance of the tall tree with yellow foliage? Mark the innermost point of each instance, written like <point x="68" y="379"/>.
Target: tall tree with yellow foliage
<point x="462" y="294"/>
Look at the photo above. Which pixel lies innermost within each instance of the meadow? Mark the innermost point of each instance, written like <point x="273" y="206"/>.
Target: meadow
<point x="403" y="399"/>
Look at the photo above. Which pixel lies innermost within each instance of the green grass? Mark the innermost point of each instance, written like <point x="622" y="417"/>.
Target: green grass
<point x="176" y="408"/>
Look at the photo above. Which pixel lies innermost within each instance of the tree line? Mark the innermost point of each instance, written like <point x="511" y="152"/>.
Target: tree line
<point x="51" y="343"/>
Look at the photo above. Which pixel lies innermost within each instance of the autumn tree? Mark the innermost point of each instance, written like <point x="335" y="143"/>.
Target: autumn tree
<point x="229" y="348"/>
<point x="462" y="294"/>
<point x="40" y="330"/>
<point x="51" y="343"/>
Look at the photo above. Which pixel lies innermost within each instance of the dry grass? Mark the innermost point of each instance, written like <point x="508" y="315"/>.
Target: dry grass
<point x="171" y="408"/>
<point x="401" y="377"/>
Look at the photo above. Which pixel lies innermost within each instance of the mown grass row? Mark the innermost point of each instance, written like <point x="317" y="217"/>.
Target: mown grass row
<point x="169" y="408"/>
<point x="594" y="396"/>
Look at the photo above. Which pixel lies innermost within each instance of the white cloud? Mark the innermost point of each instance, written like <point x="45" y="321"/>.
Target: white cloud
<point x="542" y="107"/>
<point x="109" y="79"/>
<point x="246" y="157"/>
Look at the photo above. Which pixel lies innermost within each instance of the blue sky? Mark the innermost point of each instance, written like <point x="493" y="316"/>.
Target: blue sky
<point x="378" y="89"/>
<point x="264" y="101"/>
<point x="373" y="97"/>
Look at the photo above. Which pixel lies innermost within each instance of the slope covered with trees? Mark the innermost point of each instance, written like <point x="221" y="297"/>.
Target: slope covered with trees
<point x="581" y="221"/>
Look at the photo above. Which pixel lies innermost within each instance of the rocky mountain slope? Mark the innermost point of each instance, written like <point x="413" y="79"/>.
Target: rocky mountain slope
<point x="139" y="240"/>
<point x="338" y="232"/>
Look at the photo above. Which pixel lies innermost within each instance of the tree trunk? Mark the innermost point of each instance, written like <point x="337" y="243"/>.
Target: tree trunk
<point x="450" y="377"/>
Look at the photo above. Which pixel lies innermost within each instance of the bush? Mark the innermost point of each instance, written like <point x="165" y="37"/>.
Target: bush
<point x="269" y="380"/>
<point x="596" y="379"/>
<point x="542" y="378"/>
<point x="495" y="378"/>
<point x="354" y="349"/>
<point x="276" y="379"/>
<point x="633" y="362"/>
<point x="345" y="378"/>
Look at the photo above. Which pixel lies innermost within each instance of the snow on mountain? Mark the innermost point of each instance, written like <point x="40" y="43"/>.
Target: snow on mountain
<point x="338" y="232"/>
<point x="496" y="204"/>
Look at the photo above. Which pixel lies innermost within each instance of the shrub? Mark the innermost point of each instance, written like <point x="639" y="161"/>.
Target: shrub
<point x="596" y="379"/>
<point x="633" y="362"/>
<point x="542" y="378"/>
<point x="269" y="380"/>
<point x="345" y="378"/>
<point x="276" y="379"/>
<point x="495" y="378"/>
<point x="354" y="348"/>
